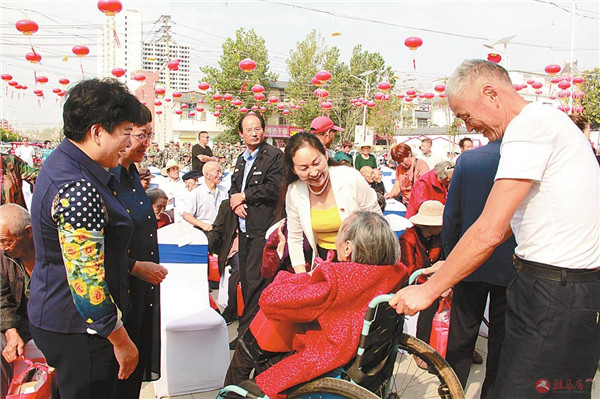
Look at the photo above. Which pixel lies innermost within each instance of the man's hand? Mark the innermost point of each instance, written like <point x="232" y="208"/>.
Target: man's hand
<point x="412" y="299"/>
<point x="149" y="271"/>
<point x="125" y="351"/>
<point x="434" y="268"/>
<point x="14" y="345"/>
<point x="204" y="158"/>
<point x="241" y="210"/>
<point x="236" y="200"/>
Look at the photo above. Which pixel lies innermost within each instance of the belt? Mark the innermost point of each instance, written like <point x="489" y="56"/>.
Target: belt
<point x="560" y="274"/>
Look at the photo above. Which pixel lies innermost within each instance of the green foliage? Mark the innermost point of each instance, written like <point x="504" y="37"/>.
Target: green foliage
<point x="229" y="78"/>
<point x="453" y="128"/>
<point x="312" y="55"/>
<point x="7" y="135"/>
<point x="591" y="100"/>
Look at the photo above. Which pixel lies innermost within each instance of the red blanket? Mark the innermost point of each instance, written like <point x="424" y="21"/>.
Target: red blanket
<point x="335" y="299"/>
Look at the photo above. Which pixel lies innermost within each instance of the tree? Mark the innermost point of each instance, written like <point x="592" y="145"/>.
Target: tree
<point x="229" y="79"/>
<point x="591" y="100"/>
<point x="7" y="135"/>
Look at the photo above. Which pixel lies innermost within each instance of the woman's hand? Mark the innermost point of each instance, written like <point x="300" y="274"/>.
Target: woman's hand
<point x="282" y="240"/>
<point x="149" y="271"/>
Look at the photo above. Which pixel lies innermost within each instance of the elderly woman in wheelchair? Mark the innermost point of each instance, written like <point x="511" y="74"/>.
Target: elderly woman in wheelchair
<point x="339" y="352"/>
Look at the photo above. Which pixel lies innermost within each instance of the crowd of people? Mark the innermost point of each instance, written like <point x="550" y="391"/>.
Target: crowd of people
<point x="517" y="220"/>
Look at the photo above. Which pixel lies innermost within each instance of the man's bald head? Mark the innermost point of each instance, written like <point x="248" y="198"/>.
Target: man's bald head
<point x="212" y="174"/>
<point x="16" y="238"/>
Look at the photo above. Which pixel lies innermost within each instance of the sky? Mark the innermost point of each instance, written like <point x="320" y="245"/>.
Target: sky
<point x="452" y="31"/>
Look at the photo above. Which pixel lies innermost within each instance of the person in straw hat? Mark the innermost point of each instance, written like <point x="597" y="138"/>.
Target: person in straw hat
<point x="364" y="157"/>
<point x="421" y="247"/>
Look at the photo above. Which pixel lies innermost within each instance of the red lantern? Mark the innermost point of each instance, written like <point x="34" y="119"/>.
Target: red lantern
<point x="302" y="101"/>
<point x="27" y="26"/>
<point x="263" y="109"/>
<point x="286" y="111"/>
<point x="183" y="106"/>
<point x="177" y="94"/>
<point x="564" y="94"/>
<point x="552" y="69"/>
<point x="443" y="95"/>
<point x="379" y="96"/>
<point x="413" y="42"/>
<point x="167" y="100"/>
<point x="411" y="92"/>
<point x="554" y="80"/>
<point x="200" y="109"/>
<point x="247" y="65"/>
<point x="33" y="57"/>
<point x="118" y="72"/>
<point x="227" y="97"/>
<point x="178" y="112"/>
<point x="236" y="103"/>
<point x="158" y="112"/>
<point x="6" y="77"/>
<point x="565" y="78"/>
<point x="62" y="93"/>
<point x="273" y="100"/>
<point x="13" y="83"/>
<point x="38" y="92"/>
<point x="158" y="103"/>
<point x="259" y="96"/>
<point x="192" y="114"/>
<point x="428" y="95"/>
<point x="280" y="107"/>
<point x="564" y="108"/>
<point x="323" y="76"/>
<point x="218" y="107"/>
<point x="439" y="88"/>
<point x="538" y="92"/>
<point x="159" y="91"/>
<point x="110" y="7"/>
<point x="257" y="89"/>
<point x="80" y="51"/>
<point x="56" y="91"/>
<point x="321" y="93"/>
<point x="326" y="104"/>
<point x="577" y="109"/>
<point x="204" y="86"/>
<point x="139" y="77"/>
<point x="578" y="80"/>
<point x="244" y="110"/>
<point x="41" y="79"/>
<point x="530" y="82"/>
<point x="578" y="95"/>
<point x="385" y="86"/>
<point x="316" y="82"/>
<point x="217" y="114"/>
<point x="217" y="97"/>
<point x="173" y="65"/>
<point x="400" y="95"/>
<point x="371" y="104"/>
<point x="537" y="85"/>
<point x="64" y="81"/>
<point x="493" y="57"/>
<point x="254" y="108"/>
<point x="564" y="85"/>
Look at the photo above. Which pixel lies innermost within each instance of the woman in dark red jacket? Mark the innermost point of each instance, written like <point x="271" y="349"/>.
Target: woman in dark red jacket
<point x="433" y="185"/>
<point x="421" y="247"/>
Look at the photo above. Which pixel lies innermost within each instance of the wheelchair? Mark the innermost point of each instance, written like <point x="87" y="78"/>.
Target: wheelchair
<point x="384" y="366"/>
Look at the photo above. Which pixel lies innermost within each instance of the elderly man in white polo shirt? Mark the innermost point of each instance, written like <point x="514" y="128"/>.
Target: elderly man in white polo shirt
<point x="546" y="191"/>
<point x="203" y="202"/>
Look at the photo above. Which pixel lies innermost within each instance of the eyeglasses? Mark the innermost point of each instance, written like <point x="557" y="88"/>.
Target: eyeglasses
<point x="144" y="137"/>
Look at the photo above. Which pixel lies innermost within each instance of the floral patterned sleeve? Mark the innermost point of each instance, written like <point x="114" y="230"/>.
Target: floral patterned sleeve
<point x="80" y="214"/>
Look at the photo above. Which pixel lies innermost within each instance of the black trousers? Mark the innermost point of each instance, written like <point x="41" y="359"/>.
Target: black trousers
<point x="552" y="342"/>
<point x="468" y="307"/>
<point x="253" y="284"/>
<point x="86" y="367"/>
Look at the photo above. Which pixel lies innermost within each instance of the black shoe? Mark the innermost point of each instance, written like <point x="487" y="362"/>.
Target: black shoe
<point x="233" y="344"/>
<point x="477" y="359"/>
<point x="229" y="317"/>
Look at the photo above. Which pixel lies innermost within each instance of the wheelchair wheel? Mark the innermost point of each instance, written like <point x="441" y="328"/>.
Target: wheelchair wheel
<point x="330" y="388"/>
<point x="408" y="380"/>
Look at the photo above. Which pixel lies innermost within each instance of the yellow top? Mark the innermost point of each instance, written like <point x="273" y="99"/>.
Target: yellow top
<point x="325" y="224"/>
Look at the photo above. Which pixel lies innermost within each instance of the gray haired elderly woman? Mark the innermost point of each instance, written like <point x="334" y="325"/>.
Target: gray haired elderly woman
<point x="432" y="186"/>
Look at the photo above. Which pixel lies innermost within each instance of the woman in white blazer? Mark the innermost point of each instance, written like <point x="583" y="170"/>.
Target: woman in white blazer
<point x="319" y="197"/>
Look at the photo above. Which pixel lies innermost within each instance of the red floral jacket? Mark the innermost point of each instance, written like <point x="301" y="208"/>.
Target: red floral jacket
<point x="335" y="296"/>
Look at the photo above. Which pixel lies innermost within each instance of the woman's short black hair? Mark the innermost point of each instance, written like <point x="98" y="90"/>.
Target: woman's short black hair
<point x="145" y="115"/>
<point x="260" y="118"/>
<point x="105" y="102"/>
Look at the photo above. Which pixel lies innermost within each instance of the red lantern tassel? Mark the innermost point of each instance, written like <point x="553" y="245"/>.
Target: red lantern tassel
<point x="244" y="85"/>
<point x="414" y="64"/>
<point x="116" y="38"/>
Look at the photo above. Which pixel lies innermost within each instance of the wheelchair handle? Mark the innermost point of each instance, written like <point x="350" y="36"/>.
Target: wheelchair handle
<point x="413" y="277"/>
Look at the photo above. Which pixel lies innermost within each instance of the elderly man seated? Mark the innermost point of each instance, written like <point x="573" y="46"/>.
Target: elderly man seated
<point x="203" y="202"/>
<point x="17" y="258"/>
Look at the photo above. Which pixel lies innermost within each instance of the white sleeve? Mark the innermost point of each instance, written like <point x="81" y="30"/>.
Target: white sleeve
<point x="366" y="197"/>
<point x="294" y="232"/>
